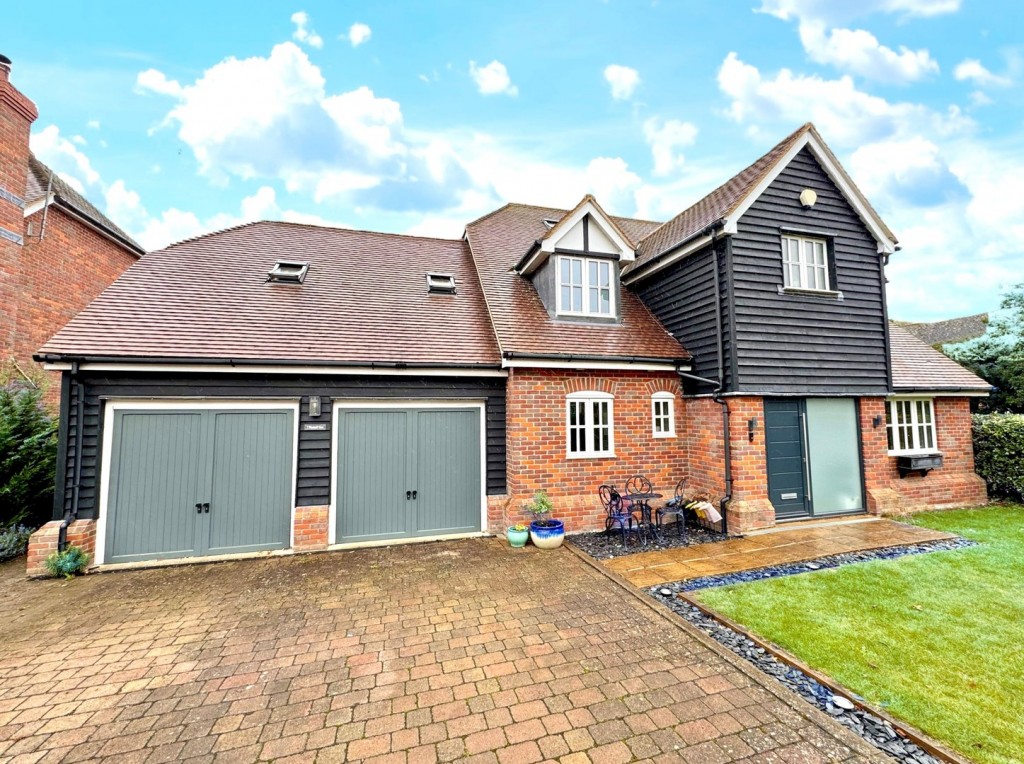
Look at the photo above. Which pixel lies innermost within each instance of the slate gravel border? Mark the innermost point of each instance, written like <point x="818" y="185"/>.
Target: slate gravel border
<point x="603" y="546"/>
<point x="875" y="730"/>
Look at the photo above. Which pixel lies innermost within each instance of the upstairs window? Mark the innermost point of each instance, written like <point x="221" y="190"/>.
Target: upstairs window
<point x="288" y="272"/>
<point x="663" y="415"/>
<point x="585" y="287"/>
<point x="805" y="263"/>
<point x="589" y="425"/>
<point x="910" y="424"/>
<point x="440" y="283"/>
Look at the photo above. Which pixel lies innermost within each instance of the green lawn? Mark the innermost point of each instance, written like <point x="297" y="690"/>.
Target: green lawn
<point x="936" y="639"/>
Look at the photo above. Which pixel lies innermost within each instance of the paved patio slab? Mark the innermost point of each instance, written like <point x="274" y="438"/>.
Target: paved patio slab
<point x="774" y="547"/>
<point x="464" y="651"/>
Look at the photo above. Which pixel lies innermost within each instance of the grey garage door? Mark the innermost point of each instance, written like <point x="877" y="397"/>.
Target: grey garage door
<point x="404" y="473"/>
<point x="191" y="483"/>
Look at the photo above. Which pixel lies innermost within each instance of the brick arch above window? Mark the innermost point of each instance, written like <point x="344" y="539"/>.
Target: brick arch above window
<point x="589" y="384"/>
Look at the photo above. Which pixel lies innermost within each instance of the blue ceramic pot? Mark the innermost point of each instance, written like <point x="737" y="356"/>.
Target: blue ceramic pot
<point x="547" y="534"/>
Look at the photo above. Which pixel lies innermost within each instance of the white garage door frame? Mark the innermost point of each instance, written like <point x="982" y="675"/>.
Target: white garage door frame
<point x="192" y="404"/>
<point x="407" y="403"/>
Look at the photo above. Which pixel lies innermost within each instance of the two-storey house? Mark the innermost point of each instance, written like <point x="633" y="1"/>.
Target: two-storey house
<point x="278" y="386"/>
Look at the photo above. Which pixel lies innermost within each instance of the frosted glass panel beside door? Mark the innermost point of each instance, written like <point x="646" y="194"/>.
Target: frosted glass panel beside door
<point x="834" y="451"/>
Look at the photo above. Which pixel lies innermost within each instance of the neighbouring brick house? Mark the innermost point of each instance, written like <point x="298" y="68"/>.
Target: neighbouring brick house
<point x="278" y="386"/>
<point x="57" y="251"/>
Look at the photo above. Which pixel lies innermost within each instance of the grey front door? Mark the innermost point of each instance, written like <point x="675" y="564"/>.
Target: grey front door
<point x="198" y="482"/>
<point x="785" y="452"/>
<point x="813" y="456"/>
<point x="404" y="473"/>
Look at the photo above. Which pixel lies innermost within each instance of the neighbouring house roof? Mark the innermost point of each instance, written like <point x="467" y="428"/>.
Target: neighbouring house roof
<point x="522" y="323"/>
<point x="363" y="300"/>
<point x="729" y="199"/>
<point x="948" y="332"/>
<point x="41" y="178"/>
<point x="918" y="367"/>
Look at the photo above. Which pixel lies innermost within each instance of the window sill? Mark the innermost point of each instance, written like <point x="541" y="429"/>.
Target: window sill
<point x="591" y="456"/>
<point x="925" y="452"/>
<point x="663" y="434"/>
<point x="825" y="294"/>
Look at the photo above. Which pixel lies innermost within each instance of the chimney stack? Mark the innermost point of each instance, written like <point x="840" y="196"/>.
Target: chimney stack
<point x="5" y="68"/>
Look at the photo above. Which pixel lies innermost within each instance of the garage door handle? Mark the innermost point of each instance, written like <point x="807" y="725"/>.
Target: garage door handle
<point x="206" y="506"/>
<point x="199" y="509"/>
<point x="414" y="494"/>
<point x="408" y="495"/>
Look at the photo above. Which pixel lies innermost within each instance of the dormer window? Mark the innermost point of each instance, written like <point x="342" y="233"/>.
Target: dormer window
<point x="585" y="287"/>
<point x="288" y="272"/>
<point x="440" y="283"/>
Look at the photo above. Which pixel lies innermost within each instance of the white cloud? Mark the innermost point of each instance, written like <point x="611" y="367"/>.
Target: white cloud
<point x="972" y="70"/>
<point x="358" y="34"/>
<point x="622" y="79"/>
<point x="303" y="32"/>
<point x="830" y="9"/>
<point x="78" y="140"/>
<point x="859" y="52"/>
<point x="665" y="138"/>
<point x="492" y="79"/>
<point x="156" y="82"/>
<point x="93" y="124"/>
<point x="846" y="115"/>
<point x="64" y="158"/>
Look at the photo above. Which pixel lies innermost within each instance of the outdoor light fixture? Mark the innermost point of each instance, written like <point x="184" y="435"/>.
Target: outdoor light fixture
<point x="877" y="421"/>
<point x="808" y="197"/>
<point x="751" y="426"/>
<point x="314" y="405"/>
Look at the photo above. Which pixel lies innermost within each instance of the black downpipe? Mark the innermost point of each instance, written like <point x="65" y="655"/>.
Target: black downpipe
<point x="717" y="394"/>
<point x="72" y="513"/>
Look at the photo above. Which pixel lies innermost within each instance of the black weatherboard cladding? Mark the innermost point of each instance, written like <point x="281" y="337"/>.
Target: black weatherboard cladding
<point x="314" y="468"/>
<point x="805" y="344"/>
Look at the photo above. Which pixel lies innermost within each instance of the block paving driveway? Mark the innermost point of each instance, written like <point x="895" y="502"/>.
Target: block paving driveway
<point x="463" y="651"/>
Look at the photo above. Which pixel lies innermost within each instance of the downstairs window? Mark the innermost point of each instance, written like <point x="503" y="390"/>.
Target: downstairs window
<point x="589" y="419"/>
<point x="910" y="424"/>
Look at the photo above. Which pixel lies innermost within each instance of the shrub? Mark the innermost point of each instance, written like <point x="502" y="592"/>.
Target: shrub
<point x="28" y="458"/>
<point x="13" y="541"/>
<point x="999" y="452"/>
<point x="72" y="561"/>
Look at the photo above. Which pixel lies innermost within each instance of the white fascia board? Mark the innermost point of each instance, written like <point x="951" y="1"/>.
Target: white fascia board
<point x="835" y="173"/>
<point x="38" y="204"/>
<point x="626" y="253"/>
<point x="542" y="363"/>
<point x="666" y="260"/>
<point x="269" y="369"/>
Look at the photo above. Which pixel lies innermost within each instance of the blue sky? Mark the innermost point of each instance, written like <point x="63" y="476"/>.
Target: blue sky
<point x="418" y="117"/>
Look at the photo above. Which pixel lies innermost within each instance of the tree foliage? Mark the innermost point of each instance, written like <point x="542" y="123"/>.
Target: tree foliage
<point x="998" y="356"/>
<point x="28" y="458"/>
<point x="999" y="452"/>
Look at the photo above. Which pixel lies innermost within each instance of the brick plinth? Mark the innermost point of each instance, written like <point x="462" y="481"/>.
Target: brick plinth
<point x="536" y="442"/>
<point x="43" y="543"/>
<point x="311" y="528"/>
<point x="954" y="484"/>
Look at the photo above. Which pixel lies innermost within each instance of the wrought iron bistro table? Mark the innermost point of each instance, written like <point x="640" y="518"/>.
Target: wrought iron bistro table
<point x="642" y="502"/>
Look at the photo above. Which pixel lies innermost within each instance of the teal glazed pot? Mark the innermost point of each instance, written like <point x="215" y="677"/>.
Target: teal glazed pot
<point x="547" y="534"/>
<point x="517" y="539"/>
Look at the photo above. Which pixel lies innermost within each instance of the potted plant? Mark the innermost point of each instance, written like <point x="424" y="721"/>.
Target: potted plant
<point x="545" y="532"/>
<point x="517" y="535"/>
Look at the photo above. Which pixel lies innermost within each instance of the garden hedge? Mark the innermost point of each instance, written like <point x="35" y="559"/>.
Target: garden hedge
<point x="28" y="458"/>
<point x="999" y="452"/>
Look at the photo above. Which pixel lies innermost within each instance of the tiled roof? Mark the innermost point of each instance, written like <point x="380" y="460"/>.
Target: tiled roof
<point x="728" y="197"/>
<point x="948" y="332"/>
<point x="363" y="300"/>
<point x="917" y="366"/>
<point x="521" y="321"/>
<point x="39" y="180"/>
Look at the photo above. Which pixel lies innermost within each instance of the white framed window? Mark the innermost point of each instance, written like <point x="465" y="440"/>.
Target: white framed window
<point x="910" y="425"/>
<point x="663" y="415"/>
<point x="805" y="263"/>
<point x="589" y="425"/>
<point x="585" y="287"/>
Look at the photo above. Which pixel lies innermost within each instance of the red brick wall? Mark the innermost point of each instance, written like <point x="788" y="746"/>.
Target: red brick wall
<point x="311" y="528"/>
<point x="60" y="274"/>
<point x="43" y="543"/>
<point x="536" y="441"/>
<point x="955" y="484"/>
<point x="16" y="116"/>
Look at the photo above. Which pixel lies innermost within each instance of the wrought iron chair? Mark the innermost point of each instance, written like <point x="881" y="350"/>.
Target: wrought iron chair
<point x="638" y="484"/>
<point x="616" y="512"/>
<point x="675" y="507"/>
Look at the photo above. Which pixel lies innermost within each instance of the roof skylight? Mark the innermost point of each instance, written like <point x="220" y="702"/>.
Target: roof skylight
<point x="288" y="272"/>
<point x="440" y="283"/>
